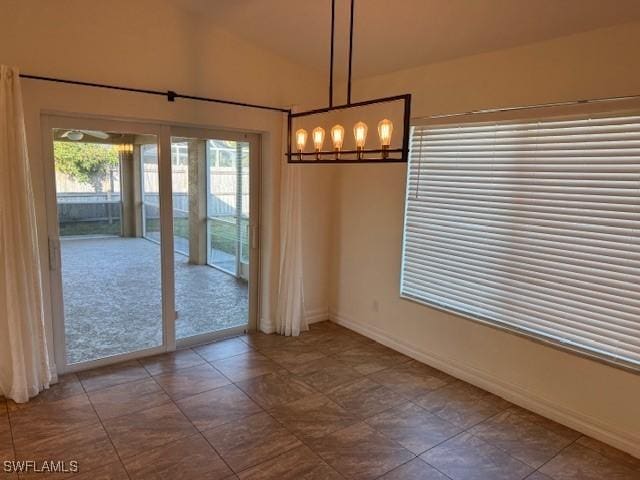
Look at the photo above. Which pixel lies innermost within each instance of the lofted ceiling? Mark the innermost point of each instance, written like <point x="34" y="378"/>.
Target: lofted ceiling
<point x="395" y="34"/>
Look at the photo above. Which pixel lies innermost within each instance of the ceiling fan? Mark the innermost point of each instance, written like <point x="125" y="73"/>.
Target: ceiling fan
<point x="76" y="135"/>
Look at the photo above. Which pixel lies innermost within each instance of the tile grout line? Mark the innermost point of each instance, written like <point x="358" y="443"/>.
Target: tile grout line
<point x="77" y="429"/>
<point x="413" y="459"/>
<point x="411" y="400"/>
<point x="264" y="410"/>
<point x="557" y="453"/>
<point x="113" y="445"/>
<point x="201" y="433"/>
<point x="239" y="337"/>
<point x="169" y="353"/>
<point x="233" y="472"/>
<point x="467" y="431"/>
<point x="464" y="429"/>
<point x="608" y="457"/>
<point x="13" y="442"/>
<point x="172" y="402"/>
<point x="305" y="444"/>
<point x="87" y="392"/>
<point x="509" y="453"/>
<point x="250" y="466"/>
<point x="194" y="394"/>
<point x="301" y="440"/>
<point x="360" y="420"/>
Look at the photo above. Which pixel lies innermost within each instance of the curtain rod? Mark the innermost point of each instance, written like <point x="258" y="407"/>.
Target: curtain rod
<point x="529" y="107"/>
<point x="169" y="94"/>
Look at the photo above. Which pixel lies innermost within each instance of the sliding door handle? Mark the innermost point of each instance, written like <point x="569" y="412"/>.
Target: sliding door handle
<point x="254" y="237"/>
<point x="54" y="253"/>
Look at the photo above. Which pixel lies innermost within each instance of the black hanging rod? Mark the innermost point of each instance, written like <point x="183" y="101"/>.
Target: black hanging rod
<point x="333" y="36"/>
<point x="332" y="48"/>
<point x="351" y="14"/>
<point x="169" y="94"/>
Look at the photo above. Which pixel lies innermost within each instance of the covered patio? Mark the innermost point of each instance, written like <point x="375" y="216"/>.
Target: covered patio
<point x="112" y="297"/>
<point x="108" y="198"/>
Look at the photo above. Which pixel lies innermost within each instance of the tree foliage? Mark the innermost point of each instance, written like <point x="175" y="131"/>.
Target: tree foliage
<point x="86" y="162"/>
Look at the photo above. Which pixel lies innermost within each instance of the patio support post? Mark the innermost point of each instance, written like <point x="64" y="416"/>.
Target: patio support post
<point x="128" y="194"/>
<point x="197" y="202"/>
<point x="137" y="191"/>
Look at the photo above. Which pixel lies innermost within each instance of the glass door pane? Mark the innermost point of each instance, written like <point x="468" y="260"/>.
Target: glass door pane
<point x="180" y="182"/>
<point x="228" y="206"/>
<point x="150" y="192"/>
<point x="211" y="211"/>
<point x="107" y="202"/>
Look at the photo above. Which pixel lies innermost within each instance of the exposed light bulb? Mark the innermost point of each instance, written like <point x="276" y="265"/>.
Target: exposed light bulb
<point x="337" y="136"/>
<point x="301" y="139"/>
<point x="318" y="138"/>
<point x="360" y="134"/>
<point x="385" y="129"/>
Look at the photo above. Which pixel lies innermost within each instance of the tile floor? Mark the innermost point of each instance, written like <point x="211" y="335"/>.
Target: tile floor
<point x="327" y="405"/>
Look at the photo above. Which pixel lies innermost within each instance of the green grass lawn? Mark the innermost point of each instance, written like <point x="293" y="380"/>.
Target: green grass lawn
<point x="222" y="231"/>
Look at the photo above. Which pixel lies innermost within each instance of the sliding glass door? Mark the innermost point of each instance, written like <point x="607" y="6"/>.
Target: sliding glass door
<point x="152" y="237"/>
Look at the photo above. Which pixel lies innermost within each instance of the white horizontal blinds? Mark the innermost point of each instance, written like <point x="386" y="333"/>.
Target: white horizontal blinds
<point x="534" y="225"/>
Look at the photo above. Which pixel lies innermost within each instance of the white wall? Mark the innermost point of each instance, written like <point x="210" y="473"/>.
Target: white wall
<point x="150" y="44"/>
<point x="368" y="214"/>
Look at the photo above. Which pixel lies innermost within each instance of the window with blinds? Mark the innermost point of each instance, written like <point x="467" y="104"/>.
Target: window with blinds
<point x="534" y="226"/>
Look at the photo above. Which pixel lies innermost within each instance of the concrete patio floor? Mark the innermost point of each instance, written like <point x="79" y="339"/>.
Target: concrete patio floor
<point x="112" y="297"/>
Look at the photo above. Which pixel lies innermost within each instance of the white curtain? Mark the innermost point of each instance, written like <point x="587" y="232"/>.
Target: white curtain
<point x="24" y="360"/>
<point x="290" y="307"/>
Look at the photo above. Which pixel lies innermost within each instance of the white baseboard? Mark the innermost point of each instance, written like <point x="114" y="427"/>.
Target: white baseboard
<point x="509" y="391"/>
<point x="311" y="316"/>
<point x="316" y="315"/>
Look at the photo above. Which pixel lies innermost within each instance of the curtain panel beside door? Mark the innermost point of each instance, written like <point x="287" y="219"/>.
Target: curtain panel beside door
<point x="24" y="355"/>
<point x="290" y="318"/>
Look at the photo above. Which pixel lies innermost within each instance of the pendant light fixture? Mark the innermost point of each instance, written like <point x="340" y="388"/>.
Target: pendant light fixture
<point x="384" y="152"/>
